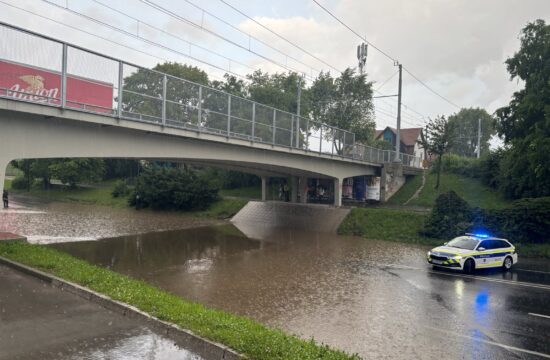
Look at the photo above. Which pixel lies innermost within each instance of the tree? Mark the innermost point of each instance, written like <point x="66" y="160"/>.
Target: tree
<point x="35" y="168"/>
<point x="346" y="103"/>
<point x="525" y="122"/>
<point x="464" y="131"/>
<point x="435" y="139"/>
<point x="279" y="91"/>
<point x="173" y="188"/>
<point x="143" y="91"/>
<point x="74" y="171"/>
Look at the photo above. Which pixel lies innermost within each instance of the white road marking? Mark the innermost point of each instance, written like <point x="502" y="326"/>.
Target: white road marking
<point x="475" y="277"/>
<point x="534" y="271"/>
<point x="540" y="315"/>
<point x="507" y="347"/>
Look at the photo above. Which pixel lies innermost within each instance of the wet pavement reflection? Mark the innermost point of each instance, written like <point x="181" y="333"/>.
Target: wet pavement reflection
<point x="375" y="298"/>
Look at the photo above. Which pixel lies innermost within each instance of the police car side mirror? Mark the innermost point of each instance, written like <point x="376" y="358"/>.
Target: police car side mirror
<point x="480" y="248"/>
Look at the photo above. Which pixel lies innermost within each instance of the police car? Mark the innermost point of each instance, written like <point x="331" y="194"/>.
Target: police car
<point x="474" y="251"/>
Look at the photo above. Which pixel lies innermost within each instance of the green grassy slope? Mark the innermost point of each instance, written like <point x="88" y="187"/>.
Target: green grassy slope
<point x="471" y="190"/>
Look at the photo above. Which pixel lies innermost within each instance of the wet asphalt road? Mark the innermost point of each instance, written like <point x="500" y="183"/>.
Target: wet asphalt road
<point x="40" y="322"/>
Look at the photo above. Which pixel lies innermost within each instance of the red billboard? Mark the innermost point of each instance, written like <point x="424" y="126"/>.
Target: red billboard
<point x="39" y="85"/>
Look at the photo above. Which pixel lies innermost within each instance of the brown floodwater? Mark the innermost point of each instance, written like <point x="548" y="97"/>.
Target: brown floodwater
<point x="375" y="298"/>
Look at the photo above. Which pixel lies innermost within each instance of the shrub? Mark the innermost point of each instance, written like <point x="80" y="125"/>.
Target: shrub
<point x="450" y="217"/>
<point x="19" y="183"/>
<point x="171" y="188"/>
<point x="120" y="189"/>
<point x="461" y="165"/>
<point x="525" y="221"/>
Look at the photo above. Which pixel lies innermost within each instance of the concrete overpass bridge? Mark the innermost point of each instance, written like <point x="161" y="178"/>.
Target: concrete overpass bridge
<point x="85" y="104"/>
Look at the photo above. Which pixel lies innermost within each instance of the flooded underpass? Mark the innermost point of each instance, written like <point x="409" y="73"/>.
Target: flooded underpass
<point x="375" y="298"/>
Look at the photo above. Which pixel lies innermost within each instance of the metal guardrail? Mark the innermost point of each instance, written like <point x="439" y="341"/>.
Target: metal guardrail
<point x="146" y="95"/>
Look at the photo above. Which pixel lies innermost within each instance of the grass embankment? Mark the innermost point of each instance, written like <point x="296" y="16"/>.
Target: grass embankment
<point x="404" y="224"/>
<point x="471" y="190"/>
<point x="386" y="224"/>
<point x="241" y="334"/>
<point x="249" y="192"/>
<point x="406" y="191"/>
<point x="100" y="194"/>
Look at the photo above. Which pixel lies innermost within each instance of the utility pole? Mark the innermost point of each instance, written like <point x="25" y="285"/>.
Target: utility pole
<point x="299" y="95"/>
<point x="398" y="135"/>
<point x="298" y="105"/>
<point x="478" y="138"/>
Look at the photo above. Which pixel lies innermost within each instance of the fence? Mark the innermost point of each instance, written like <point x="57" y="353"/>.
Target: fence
<point x="36" y="68"/>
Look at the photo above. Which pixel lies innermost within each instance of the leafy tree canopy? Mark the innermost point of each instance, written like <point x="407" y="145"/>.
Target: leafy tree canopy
<point x="344" y="102"/>
<point x="525" y="122"/>
<point x="435" y="139"/>
<point x="464" y="131"/>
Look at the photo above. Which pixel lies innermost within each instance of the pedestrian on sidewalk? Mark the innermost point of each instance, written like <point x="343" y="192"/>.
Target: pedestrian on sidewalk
<point x="5" y="199"/>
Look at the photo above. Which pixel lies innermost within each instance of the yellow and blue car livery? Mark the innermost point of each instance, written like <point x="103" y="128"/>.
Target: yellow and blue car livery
<point x="474" y="251"/>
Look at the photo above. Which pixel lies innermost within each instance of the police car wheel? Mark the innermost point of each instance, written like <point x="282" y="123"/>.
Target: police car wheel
<point x="507" y="264"/>
<point x="469" y="266"/>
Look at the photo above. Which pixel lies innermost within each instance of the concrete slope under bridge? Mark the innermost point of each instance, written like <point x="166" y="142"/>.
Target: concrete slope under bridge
<point x="257" y="218"/>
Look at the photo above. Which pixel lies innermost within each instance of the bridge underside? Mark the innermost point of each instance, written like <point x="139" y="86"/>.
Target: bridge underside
<point x="29" y="131"/>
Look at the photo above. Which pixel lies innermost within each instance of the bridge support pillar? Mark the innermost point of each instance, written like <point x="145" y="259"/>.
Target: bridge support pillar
<point x="3" y="165"/>
<point x="264" y="188"/>
<point x="294" y="189"/>
<point x="337" y="192"/>
<point x="303" y="190"/>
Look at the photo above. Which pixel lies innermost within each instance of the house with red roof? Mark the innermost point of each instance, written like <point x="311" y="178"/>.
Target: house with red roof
<point x="409" y="139"/>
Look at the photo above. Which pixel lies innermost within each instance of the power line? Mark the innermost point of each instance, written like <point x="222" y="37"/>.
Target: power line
<point x="355" y="32"/>
<point x="122" y="31"/>
<point x="249" y="49"/>
<point x="279" y="35"/>
<point x="175" y="36"/>
<point x="386" y="81"/>
<point x="429" y="88"/>
<point x="91" y="34"/>
<point x="384" y="53"/>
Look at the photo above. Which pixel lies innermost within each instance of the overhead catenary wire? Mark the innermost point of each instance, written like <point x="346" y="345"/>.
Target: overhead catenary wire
<point x="385" y="54"/>
<point x="127" y="33"/>
<point x="279" y="35"/>
<point x="175" y="36"/>
<point x="248" y="49"/>
<point x="147" y="53"/>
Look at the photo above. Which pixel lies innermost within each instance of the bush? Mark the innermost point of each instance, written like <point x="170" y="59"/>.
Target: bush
<point x="489" y="168"/>
<point x="461" y="165"/>
<point x="171" y="188"/>
<point x="120" y="189"/>
<point x="19" y="183"/>
<point x="451" y="216"/>
<point x="525" y="221"/>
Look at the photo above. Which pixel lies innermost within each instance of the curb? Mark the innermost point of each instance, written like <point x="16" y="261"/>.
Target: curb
<point x="207" y="349"/>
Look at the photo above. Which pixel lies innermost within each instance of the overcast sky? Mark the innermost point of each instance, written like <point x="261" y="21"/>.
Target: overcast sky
<point x="457" y="47"/>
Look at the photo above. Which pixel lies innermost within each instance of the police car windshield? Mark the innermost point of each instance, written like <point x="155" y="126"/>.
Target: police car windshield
<point x="463" y="242"/>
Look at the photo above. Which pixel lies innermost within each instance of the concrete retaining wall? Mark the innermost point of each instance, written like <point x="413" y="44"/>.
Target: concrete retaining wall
<point x="275" y="214"/>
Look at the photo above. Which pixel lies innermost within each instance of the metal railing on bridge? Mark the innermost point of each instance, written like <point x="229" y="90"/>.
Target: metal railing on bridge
<point x="36" y="68"/>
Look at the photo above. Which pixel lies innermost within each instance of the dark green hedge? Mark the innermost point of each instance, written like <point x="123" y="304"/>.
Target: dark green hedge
<point x="525" y="221"/>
